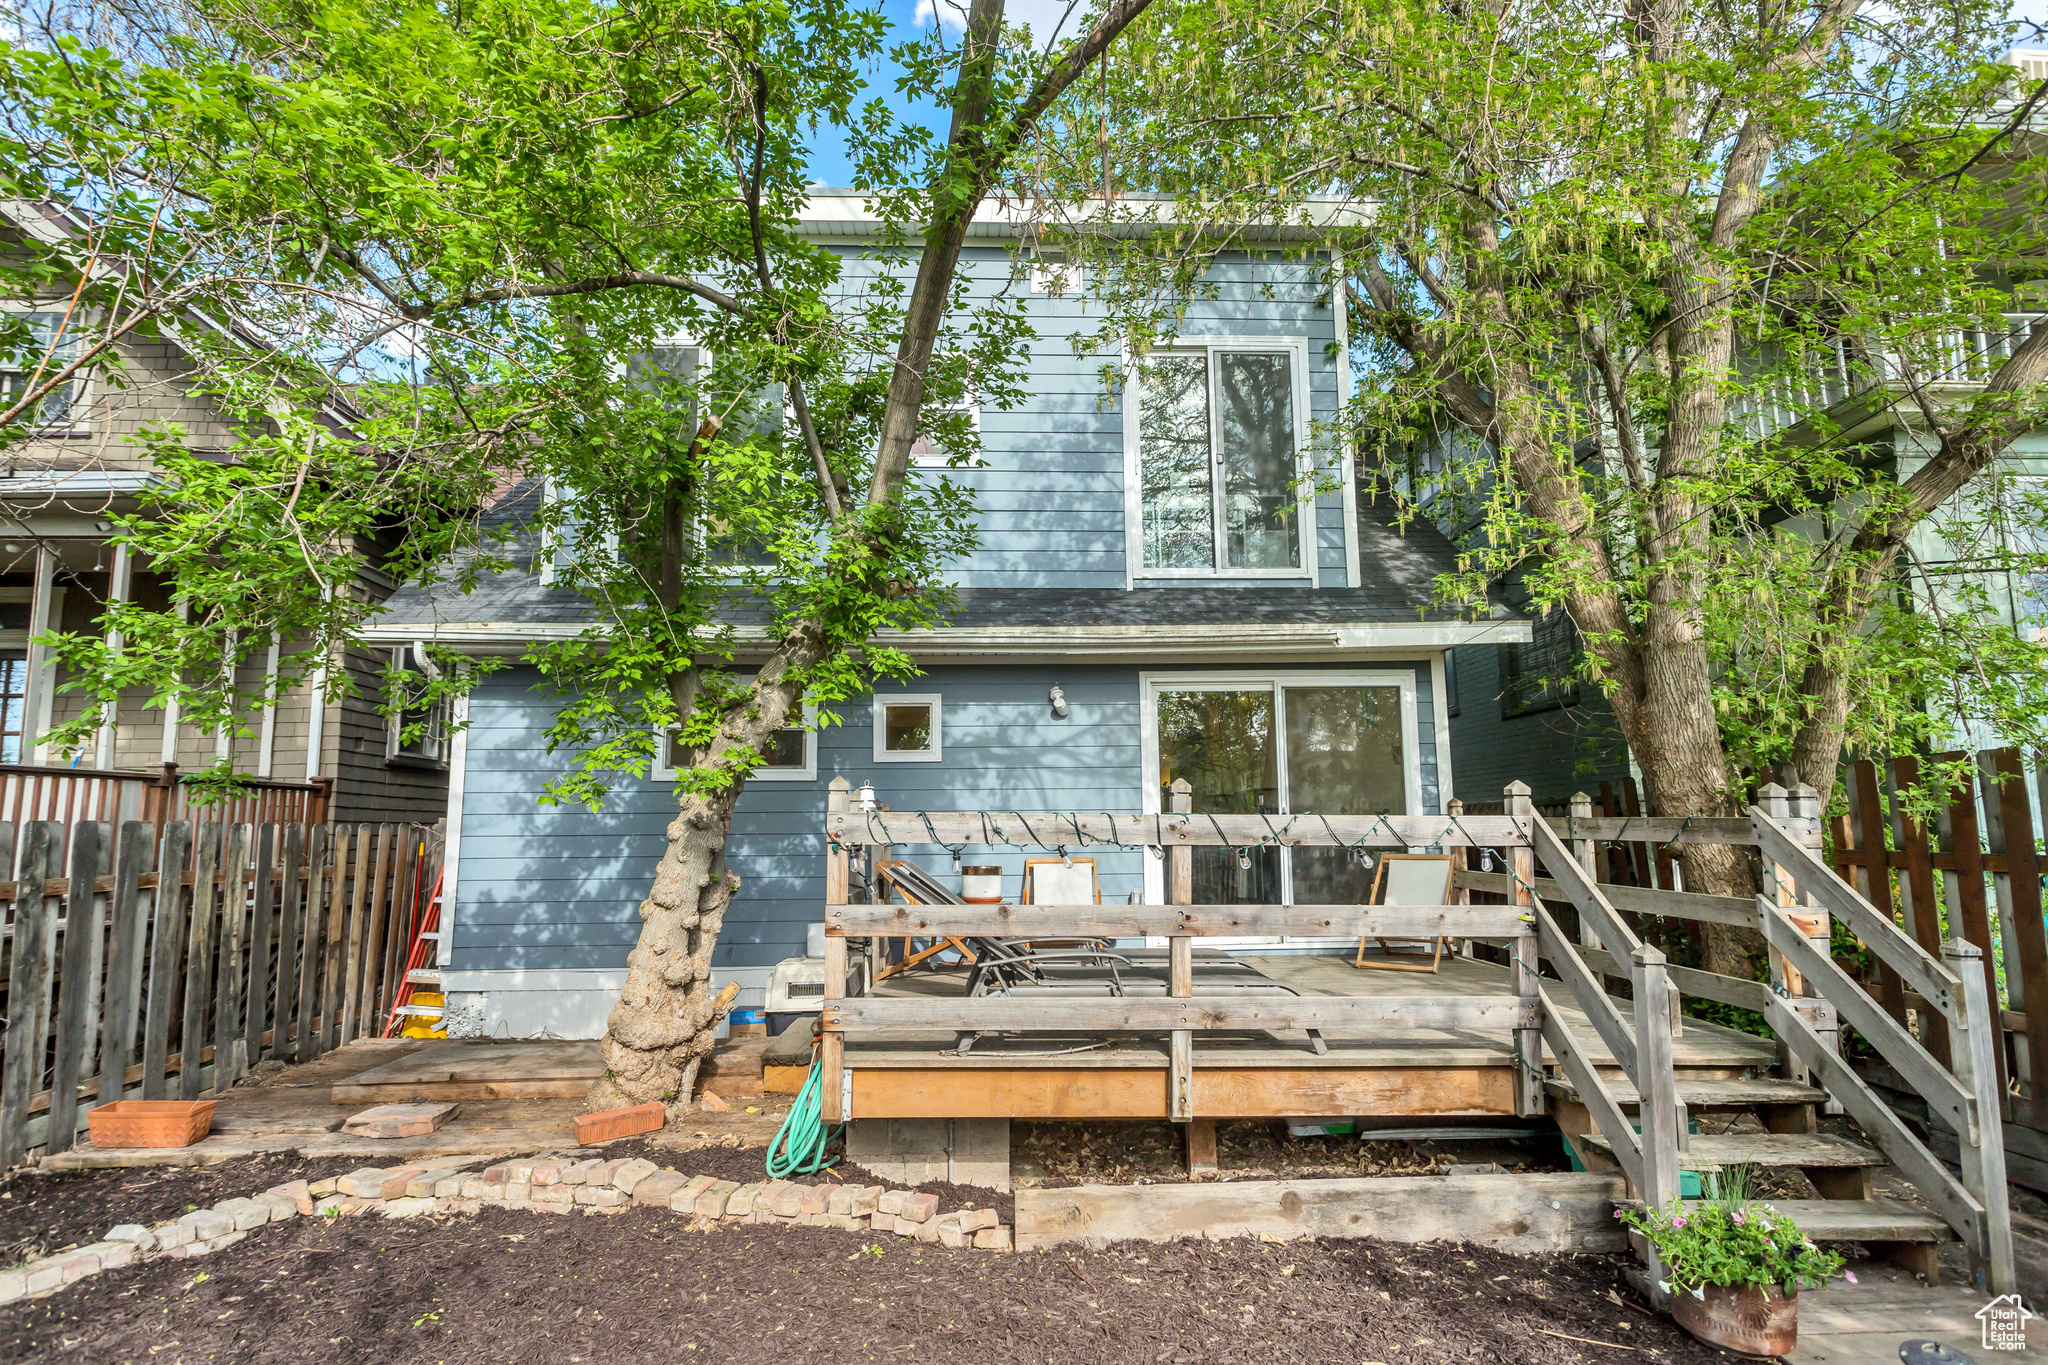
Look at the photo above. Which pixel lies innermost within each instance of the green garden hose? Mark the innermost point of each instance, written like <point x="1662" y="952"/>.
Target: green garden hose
<point x="799" y="1146"/>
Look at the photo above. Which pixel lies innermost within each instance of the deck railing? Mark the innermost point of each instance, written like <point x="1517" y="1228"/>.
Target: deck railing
<point x="159" y="964"/>
<point x="1804" y="1002"/>
<point x="1809" y="996"/>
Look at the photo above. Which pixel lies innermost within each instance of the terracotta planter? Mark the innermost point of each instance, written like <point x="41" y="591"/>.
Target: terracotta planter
<point x="1757" y="1322"/>
<point x="150" y="1123"/>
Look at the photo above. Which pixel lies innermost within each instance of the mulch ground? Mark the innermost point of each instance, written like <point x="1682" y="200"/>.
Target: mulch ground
<point x="42" y="1213"/>
<point x="1130" y="1151"/>
<point x="506" y="1286"/>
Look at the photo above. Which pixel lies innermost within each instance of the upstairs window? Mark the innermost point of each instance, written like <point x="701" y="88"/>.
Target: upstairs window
<point x="49" y="352"/>
<point x="1218" y="462"/>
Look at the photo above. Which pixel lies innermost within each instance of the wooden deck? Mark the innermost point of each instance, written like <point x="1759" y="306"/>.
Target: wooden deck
<point x="1388" y="1072"/>
<point x="301" y="1110"/>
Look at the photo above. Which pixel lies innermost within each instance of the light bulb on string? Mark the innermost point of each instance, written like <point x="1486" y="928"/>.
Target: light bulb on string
<point x="1244" y="860"/>
<point x="1486" y="860"/>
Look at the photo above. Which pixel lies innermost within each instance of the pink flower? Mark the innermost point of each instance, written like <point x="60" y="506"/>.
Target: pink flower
<point x="1850" y="1275"/>
<point x="1678" y="1220"/>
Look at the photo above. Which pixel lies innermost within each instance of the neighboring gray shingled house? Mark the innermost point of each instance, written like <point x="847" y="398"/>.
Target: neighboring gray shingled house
<point x="1303" y="673"/>
<point x="58" y="569"/>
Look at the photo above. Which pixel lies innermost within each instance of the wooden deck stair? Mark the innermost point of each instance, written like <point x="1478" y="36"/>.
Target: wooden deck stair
<point x="1803" y="1150"/>
<point x="1762" y="1092"/>
<point x="1880" y="1222"/>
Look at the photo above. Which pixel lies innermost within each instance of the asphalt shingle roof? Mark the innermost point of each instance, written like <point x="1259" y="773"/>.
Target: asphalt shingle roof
<point x="1399" y="565"/>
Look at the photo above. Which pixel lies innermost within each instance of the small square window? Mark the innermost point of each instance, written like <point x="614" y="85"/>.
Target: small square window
<point x="1054" y="275"/>
<point x="907" y="729"/>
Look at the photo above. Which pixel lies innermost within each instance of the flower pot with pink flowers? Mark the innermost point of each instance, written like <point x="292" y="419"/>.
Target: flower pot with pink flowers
<point x="1734" y="1266"/>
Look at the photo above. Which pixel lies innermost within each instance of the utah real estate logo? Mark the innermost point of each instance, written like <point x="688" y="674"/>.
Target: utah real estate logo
<point x="2005" y="1321"/>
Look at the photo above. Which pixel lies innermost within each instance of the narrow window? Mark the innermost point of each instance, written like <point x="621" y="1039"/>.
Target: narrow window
<point x="790" y="755"/>
<point x="1255" y="393"/>
<point x="1173" y="464"/>
<point x="13" y="703"/>
<point x="1218" y="462"/>
<point x="418" y="731"/>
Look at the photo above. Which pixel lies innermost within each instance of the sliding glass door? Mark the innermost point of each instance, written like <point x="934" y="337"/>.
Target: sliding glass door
<point x="1285" y="747"/>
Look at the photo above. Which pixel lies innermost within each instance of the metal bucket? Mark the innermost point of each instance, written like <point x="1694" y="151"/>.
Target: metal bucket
<point x="1757" y="1322"/>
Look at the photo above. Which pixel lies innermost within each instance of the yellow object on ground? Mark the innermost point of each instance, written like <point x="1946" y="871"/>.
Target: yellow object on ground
<point x="419" y="1026"/>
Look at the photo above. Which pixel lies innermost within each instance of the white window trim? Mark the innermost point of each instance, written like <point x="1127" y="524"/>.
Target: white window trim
<point x="1296" y="348"/>
<point x="663" y="772"/>
<point x="86" y="391"/>
<point x="1347" y="466"/>
<point x="932" y="699"/>
<point x="1150" y="685"/>
<point x="1044" y="265"/>
<point x="938" y="459"/>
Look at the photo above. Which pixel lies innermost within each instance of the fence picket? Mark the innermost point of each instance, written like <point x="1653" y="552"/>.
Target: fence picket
<point x="261" y="970"/>
<point x="77" y="986"/>
<point x="199" y="936"/>
<point x="2009" y="830"/>
<point x="1968" y="912"/>
<point x="332" y="856"/>
<point x="353" y="988"/>
<point x="166" y="957"/>
<point x="234" y="910"/>
<point x="379" y="927"/>
<point x="305" y="1036"/>
<point x="35" y="933"/>
<point x="290" y="928"/>
<point x="127" y="931"/>
<point x="405" y="892"/>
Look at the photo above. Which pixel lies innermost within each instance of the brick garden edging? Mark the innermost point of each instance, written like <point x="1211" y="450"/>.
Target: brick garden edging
<point x="546" y="1184"/>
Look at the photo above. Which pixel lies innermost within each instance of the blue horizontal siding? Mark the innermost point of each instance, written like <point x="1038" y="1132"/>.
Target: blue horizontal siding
<point x="544" y="888"/>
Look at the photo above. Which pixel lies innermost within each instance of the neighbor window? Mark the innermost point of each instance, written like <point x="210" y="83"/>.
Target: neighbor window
<point x="13" y="703"/>
<point x="907" y="729"/>
<point x="418" y="733"/>
<point x="1542" y="674"/>
<point x="50" y="353"/>
<point x="1288" y="748"/>
<point x="1217" y="467"/>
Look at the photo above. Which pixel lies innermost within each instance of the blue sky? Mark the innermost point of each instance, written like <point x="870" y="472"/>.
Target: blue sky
<point x="914" y="16"/>
<point x="830" y="166"/>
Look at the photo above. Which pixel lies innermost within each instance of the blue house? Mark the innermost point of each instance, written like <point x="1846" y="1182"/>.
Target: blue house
<point x="1151" y="599"/>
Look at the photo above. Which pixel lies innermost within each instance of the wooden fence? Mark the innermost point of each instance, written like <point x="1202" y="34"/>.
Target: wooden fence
<point x="1972" y="872"/>
<point x="160" y="963"/>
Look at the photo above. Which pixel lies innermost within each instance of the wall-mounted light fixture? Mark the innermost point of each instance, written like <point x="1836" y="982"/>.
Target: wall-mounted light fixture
<point x="1059" y="702"/>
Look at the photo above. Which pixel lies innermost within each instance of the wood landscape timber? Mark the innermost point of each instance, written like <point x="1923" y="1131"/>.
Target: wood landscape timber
<point x="1527" y="1213"/>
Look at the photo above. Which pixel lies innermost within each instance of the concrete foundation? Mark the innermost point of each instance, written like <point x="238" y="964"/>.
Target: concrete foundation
<point x="912" y="1151"/>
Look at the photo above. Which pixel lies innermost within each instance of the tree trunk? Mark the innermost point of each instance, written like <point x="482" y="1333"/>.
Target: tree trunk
<point x="661" y="1029"/>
